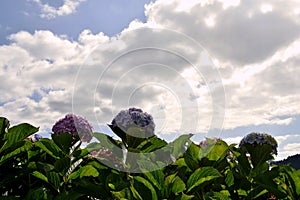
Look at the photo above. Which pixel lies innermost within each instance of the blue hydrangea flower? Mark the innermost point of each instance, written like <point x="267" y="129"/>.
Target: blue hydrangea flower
<point x="259" y="139"/>
<point x="74" y="124"/>
<point x="135" y="122"/>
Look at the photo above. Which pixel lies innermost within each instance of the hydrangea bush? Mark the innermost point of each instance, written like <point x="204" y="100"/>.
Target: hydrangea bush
<point x="32" y="167"/>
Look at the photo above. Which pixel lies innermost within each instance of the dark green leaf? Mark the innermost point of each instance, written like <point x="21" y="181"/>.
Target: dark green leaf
<point x="18" y="133"/>
<point x="63" y="141"/>
<point x="148" y="185"/>
<point x="202" y="175"/>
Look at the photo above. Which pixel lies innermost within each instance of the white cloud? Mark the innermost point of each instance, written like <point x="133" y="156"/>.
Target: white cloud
<point x="50" y="12"/>
<point x="162" y="69"/>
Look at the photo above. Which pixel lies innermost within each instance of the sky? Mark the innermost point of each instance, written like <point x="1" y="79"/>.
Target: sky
<point x="214" y="68"/>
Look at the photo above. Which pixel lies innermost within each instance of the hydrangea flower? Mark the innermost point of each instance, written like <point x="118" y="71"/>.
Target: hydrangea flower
<point x="135" y="122"/>
<point x="259" y="139"/>
<point x="35" y="137"/>
<point x="74" y="124"/>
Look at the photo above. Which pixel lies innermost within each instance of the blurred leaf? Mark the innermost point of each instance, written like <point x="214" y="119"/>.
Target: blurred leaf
<point x="202" y="175"/>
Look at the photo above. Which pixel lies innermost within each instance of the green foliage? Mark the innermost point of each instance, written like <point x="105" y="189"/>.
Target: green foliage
<point x="59" y="168"/>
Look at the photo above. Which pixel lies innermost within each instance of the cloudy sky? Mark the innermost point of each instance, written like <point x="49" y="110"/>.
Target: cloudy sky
<point x="216" y="68"/>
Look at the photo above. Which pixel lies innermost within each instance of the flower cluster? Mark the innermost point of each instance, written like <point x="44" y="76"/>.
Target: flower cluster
<point x="205" y="143"/>
<point x="133" y="119"/>
<point x="259" y="139"/>
<point x="74" y="124"/>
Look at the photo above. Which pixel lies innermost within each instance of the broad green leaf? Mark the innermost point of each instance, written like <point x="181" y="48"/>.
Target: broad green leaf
<point x="202" y="175"/>
<point x="229" y="179"/>
<point x="148" y="185"/>
<point x="53" y="178"/>
<point x="63" y="141"/>
<point x="178" y="185"/>
<point x="219" y="151"/>
<point x="18" y="133"/>
<point x="180" y="145"/>
<point x="49" y="147"/>
<point x="40" y="176"/>
<point x="151" y="144"/>
<point x="25" y="146"/>
<point x="191" y="157"/>
<point x="62" y="165"/>
<point x="88" y="170"/>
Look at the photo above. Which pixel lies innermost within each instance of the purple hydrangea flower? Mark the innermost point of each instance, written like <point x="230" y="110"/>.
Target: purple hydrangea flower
<point x="259" y="139"/>
<point x="74" y="124"/>
<point x="135" y="122"/>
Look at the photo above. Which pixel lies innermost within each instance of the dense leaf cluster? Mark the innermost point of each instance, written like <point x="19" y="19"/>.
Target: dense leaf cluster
<point x="59" y="168"/>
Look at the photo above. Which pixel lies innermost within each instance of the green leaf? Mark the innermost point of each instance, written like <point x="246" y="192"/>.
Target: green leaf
<point x="40" y="176"/>
<point x="18" y="133"/>
<point x="156" y="178"/>
<point x="49" y="147"/>
<point x="88" y="170"/>
<point x="151" y="144"/>
<point x="62" y="165"/>
<point x="229" y="179"/>
<point x="191" y="157"/>
<point x="38" y="193"/>
<point x="4" y="125"/>
<point x="180" y="145"/>
<point x="202" y="175"/>
<point x="178" y="185"/>
<point x="148" y="185"/>
<point x="63" y="141"/>
<point x="68" y="195"/>
<point x="219" y="151"/>
<point x="135" y="193"/>
<point x="24" y="147"/>
<point x="223" y="195"/>
<point x="53" y="178"/>
<point x="184" y="197"/>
